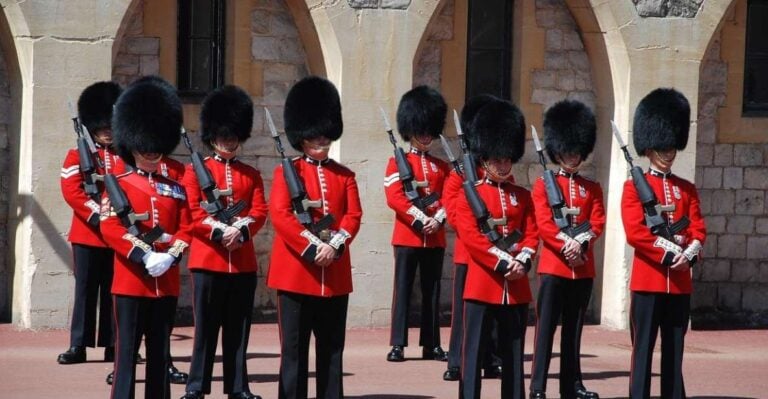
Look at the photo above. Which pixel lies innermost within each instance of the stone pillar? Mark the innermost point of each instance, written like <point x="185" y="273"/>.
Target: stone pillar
<point x="369" y="54"/>
<point x="59" y="55"/>
<point x="646" y="53"/>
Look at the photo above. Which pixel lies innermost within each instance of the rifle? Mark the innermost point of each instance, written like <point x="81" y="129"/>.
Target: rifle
<point x="128" y="218"/>
<point x="410" y="185"/>
<point x="212" y="205"/>
<point x="468" y="160"/>
<point x="652" y="210"/>
<point x="299" y="201"/>
<point x="87" y="152"/>
<point x="560" y="211"/>
<point x="485" y="223"/>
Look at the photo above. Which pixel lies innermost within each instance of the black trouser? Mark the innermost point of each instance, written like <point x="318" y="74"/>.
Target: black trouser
<point x="221" y="300"/>
<point x="512" y="320"/>
<point x="299" y="316"/>
<point x="93" y="282"/>
<point x="152" y="317"/>
<point x="490" y="355"/>
<point x="650" y="312"/>
<point x="429" y="261"/>
<point x="567" y="300"/>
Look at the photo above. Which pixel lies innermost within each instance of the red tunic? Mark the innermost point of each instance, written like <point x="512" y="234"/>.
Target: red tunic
<point x="206" y="252"/>
<point x="485" y="279"/>
<point x="425" y="168"/>
<point x="165" y="203"/>
<point x="171" y="169"/>
<point x="648" y="273"/>
<point x="83" y="206"/>
<point x="335" y="185"/>
<point x="578" y="192"/>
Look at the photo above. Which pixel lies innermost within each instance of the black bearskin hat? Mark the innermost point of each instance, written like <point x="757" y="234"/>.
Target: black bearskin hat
<point x="662" y="121"/>
<point x="94" y="107"/>
<point x="470" y="110"/>
<point x="498" y="132"/>
<point x="421" y="111"/>
<point x="569" y="128"/>
<point x="226" y="112"/>
<point x="147" y="118"/>
<point x="312" y="109"/>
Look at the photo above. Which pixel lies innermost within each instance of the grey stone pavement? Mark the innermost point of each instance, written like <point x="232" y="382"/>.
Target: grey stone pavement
<point x="718" y="364"/>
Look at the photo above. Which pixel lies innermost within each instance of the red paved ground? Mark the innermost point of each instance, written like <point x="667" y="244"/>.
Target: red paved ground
<point x="718" y="364"/>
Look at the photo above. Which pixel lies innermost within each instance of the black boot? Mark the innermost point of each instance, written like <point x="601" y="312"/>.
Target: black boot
<point x="537" y="395"/>
<point x="582" y="393"/>
<point x="452" y="374"/>
<point x="193" y="395"/>
<point x="176" y="376"/>
<point x="436" y="353"/>
<point x="73" y="355"/>
<point x="492" y="372"/>
<point x="110" y="377"/>
<point x="397" y="354"/>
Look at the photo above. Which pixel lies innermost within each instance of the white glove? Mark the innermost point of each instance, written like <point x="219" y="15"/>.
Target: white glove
<point x="159" y="263"/>
<point x="147" y="256"/>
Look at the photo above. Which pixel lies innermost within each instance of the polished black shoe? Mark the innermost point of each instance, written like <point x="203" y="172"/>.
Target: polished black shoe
<point x="109" y="354"/>
<point x="436" y="353"/>
<point x="73" y="355"/>
<point x="243" y="395"/>
<point x="176" y="376"/>
<point x="582" y="393"/>
<point x="537" y="395"/>
<point x="452" y="374"/>
<point x="397" y="354"/>
<point x="492" y="372"/>
<point x="193" y="395"/>
<point x="110" y="377"/>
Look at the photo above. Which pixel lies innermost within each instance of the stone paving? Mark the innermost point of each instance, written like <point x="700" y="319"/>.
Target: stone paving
<point x="718" y="364"/>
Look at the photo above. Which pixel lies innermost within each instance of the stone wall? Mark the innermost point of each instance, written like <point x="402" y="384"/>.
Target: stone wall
<point x="731" y="283"/>
<point x="5" y="188"/>
<point x="429" y="63"/>
<point x="276" y="46"/>
<point x="138" y="55"/>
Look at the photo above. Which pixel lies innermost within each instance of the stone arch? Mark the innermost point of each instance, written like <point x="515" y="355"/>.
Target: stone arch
<point x="10" y="122"/>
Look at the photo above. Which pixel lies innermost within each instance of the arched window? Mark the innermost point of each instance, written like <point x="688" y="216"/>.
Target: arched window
<point x="489" y="48"/>
<point x="756" y="60"/>
<point x="201" y="41"/>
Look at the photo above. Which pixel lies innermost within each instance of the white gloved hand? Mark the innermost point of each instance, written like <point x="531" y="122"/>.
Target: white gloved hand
<point x="159" y="264"/>
<point x="147" y="256"/>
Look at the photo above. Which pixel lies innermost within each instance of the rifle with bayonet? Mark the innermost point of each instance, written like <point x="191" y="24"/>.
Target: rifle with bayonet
<point x="410" y="185"/>
<point x="468" y="160"/>
<point x="299" y="201"/>
<point x="124" y="211"/>
<point x="212" y="194"/>
<point x="88" y="158"/>
<point x="560" y="212"/>
<point x="485" y="222"/>
<point x="652" y="210"/>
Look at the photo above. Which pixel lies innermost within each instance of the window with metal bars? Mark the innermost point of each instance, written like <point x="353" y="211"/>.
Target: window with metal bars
<point x="756" y="60"/>
<point x="201" y="39"/>
<point x="489" y="48"/>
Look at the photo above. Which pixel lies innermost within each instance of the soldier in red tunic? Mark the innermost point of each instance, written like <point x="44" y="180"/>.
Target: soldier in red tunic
<point x="567" y="266"/>
<point x="145" y="287"/>
<point x="222" y="259"/>
<point x="93" y="265"/>
<point x="418" y="236"/>
<point x="661" y="270"/>
<point x="452" y="189"/>
<point x="497" y="284"/>
<point x="312" y="273"/>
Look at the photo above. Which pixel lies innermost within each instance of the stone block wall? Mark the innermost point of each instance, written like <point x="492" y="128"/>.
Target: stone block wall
<point x="139" y="55"/>
<point x="731" y="283"/>
<point x="428" y="66"/>
<point x="5" y="188"/>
